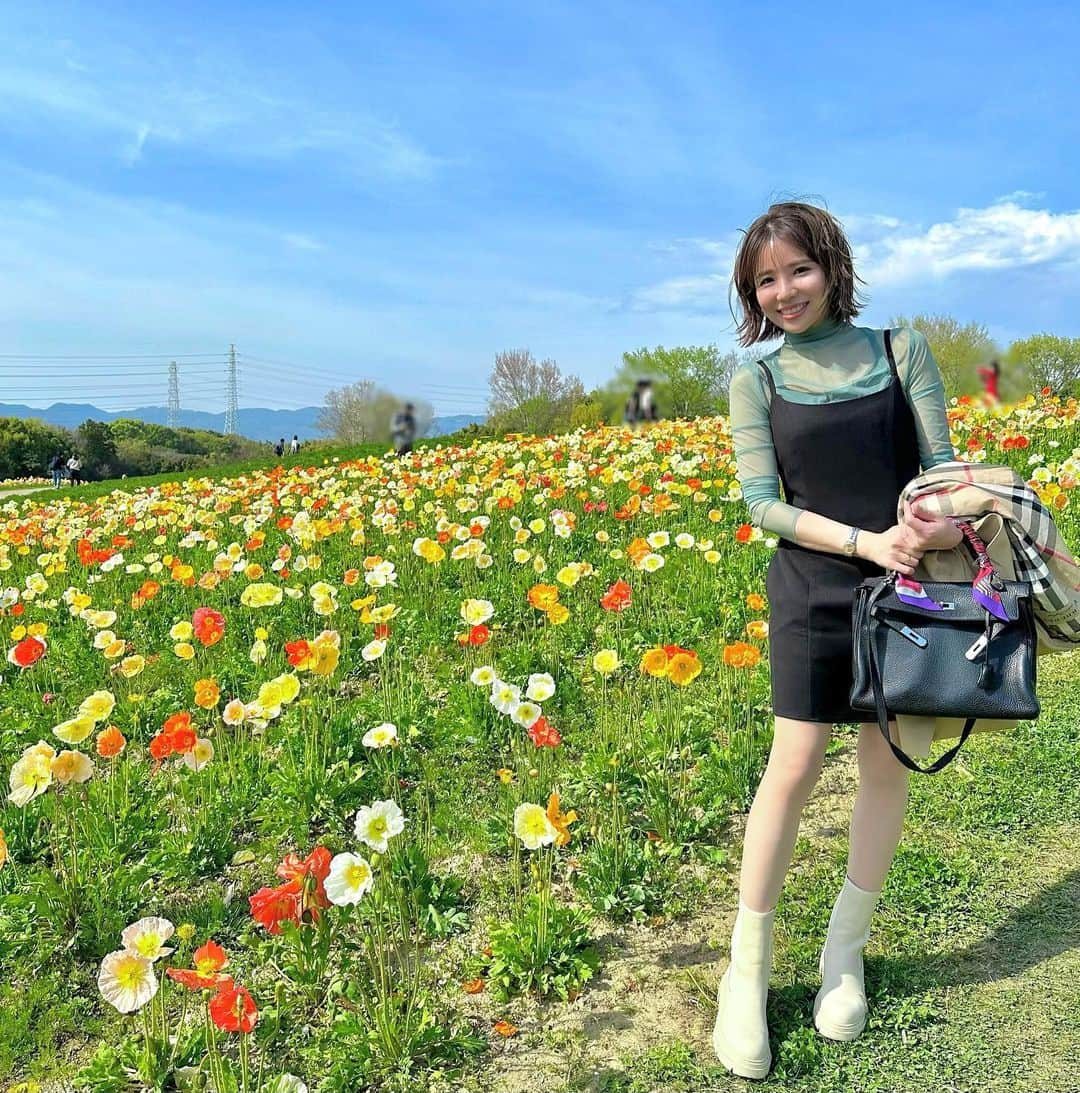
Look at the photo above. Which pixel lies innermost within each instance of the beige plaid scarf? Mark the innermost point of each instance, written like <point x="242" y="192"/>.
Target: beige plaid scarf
<point x="1040" y="555"/>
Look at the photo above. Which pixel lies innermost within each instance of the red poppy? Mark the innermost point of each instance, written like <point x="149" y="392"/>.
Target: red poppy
<point x="316" y="864"/>
<point x="179" y="734"/>
<point x="544" y="735"/>
<point x="233" y="1009"/>
<point x="617" y="597"/>
<point x="28" y="651"/>
<point x="298" y="652"/>
<point x="208" y="624"/>
<point x="194" y="980"/>
<point x="742" y="535"/>
<point x="270" y="907"/>
<point x="382" y="631"/>
<point x="161" y="747"/>
<point x="479" y="635"/>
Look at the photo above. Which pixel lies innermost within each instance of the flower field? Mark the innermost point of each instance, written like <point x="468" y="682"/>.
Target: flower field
<point x="314" y="773"/>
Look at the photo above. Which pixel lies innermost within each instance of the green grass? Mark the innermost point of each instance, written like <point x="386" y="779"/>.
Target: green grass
<point x="315" y="456"/>
<point x="973" y="965"/>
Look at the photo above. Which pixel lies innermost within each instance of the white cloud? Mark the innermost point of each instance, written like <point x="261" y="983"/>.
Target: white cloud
<point x="703" y="293"/>
<point x="133" y="152"/>
<point x="211" y="104"/>
<point x="300" y="241"/>
<point x="1003" y="235"/>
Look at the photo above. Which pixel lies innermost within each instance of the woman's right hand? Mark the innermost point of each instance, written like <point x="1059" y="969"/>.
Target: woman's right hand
<point x="895" y="549"/>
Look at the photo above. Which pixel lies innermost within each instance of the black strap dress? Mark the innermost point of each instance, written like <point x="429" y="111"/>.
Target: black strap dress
<point x="848" y="461"/>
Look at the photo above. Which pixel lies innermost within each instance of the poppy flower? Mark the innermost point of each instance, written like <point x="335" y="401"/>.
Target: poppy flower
<point x="27" y="652"/>
<point x="207" y="693"/>
<point x="270" y="907"/>
<point x="505" y="1029"/>
<point x="683" y="668"/>
<point x="208" y="959"/>
<point x="208" y="625"/>
<point x="543" y="596"/>
<point x="473" y="986"/>
<point x="741" y="655"/>
<point x="561" y="821"/>
<point x="543" y="734"/>
<point x="316" y="864"/>
<point x="232" y="1009"/>
<point x="744" y="533"/>
<point x="617" y="597"/>
<point x="479" y="635"/>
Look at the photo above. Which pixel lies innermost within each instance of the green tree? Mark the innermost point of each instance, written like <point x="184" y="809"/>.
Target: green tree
<point x="1045" y="360"/>
<point x="530" y="396"/>
<point x="688" y="381"/>
<point x="95" y="442"/>
<point x="27" y="445"/>
<point x="959" y="349"/>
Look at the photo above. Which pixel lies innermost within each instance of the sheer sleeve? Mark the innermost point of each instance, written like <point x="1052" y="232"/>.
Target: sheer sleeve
<point x="926" y="396"/>
<point x="755" y="456"/>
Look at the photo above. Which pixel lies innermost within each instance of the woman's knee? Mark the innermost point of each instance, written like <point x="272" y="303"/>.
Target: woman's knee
<point x="798" y="752"/>
<point x="877" y="762"/>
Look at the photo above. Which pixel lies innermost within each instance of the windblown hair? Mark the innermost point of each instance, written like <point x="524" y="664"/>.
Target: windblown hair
<point x="816" y="232"/>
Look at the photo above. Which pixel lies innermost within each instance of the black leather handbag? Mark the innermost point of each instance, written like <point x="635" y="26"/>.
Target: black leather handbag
<point x="959" y="661"/>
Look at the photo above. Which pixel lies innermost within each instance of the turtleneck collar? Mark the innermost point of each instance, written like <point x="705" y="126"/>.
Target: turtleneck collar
<point x="824" y="328"/>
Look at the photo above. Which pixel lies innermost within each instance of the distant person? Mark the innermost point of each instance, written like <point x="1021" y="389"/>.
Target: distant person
<point x="294" y="444"/>
<point x="56" y="468"/>
<point x="641" y="405"/>
<point x="403" y="429"/>
<point x="74" y="469"/>
<point x="279" y="447"/>
<point x="990" y="374"/>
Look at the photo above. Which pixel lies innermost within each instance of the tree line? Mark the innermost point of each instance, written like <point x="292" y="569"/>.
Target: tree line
<point x="115" y="448"/>
<point x="527" y="396"/>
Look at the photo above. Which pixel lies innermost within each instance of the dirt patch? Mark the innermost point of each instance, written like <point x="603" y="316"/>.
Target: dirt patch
<point x="657" y="983"/>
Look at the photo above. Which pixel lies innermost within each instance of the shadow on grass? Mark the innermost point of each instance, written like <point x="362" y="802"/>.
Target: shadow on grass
<point x="1044" y="927"/>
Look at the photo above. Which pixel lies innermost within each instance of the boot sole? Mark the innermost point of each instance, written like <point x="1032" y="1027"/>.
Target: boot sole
<point x="843" y="1033"/>
<point x="839" y="1032"/>
<point x="739" y="1066"/>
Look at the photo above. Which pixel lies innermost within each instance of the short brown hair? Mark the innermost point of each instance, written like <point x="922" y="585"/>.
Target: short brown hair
<point x="819" y="234"/>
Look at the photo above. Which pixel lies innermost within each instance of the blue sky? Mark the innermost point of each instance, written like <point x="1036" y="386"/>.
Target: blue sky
<point x="399" y="191"/>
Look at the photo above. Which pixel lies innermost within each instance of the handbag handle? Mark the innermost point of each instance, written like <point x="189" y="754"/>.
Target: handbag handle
<point x="882" y="710"/>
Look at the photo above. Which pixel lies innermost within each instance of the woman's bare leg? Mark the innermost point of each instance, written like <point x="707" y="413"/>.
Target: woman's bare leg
<point x="878" y="816"/>
<point x="840" y="1008"/>
<point x="798" y="751"/>
<point x="741" y="1034"/>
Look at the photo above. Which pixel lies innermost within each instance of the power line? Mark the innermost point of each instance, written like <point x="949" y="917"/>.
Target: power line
<point x="310" y="370"/>
<point x="107" y="356"/>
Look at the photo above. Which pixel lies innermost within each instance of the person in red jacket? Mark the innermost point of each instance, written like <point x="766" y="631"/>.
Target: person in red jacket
<point x="990" y="374"/>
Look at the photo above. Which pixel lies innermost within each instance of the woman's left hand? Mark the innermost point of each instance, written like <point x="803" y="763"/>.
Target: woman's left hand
<point x="932" y="532"/>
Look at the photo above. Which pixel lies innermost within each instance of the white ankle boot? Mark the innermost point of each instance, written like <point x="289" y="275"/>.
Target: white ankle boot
<point x="740" y="1036"/>
<point x="840" y="1006"/>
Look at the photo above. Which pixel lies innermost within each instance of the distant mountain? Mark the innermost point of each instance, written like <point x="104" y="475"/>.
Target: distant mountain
<point x="254" y="422"/>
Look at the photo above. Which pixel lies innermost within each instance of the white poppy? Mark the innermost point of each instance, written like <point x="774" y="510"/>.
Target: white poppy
<point x="127" y="981"/>
<point x="146" y="938"/>
<point x="378" y="823"/>
<point x="350" y="877"/>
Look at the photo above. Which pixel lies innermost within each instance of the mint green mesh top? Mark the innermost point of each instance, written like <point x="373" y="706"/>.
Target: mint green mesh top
<point x="831" y="362"/>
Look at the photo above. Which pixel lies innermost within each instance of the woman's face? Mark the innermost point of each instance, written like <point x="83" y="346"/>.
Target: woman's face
<point x="790" y="287"/>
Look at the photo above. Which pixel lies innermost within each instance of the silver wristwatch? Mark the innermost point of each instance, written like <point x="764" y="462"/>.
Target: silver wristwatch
<point x="849" y="542"/>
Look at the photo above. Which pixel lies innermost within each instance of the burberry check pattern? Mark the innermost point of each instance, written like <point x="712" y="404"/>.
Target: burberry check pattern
<point x="1042" y="560"/>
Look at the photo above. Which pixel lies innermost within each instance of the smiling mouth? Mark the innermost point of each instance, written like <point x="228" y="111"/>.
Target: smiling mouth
<point x="792" y="312"/>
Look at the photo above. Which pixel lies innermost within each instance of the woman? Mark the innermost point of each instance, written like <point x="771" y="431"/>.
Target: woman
<point x="842" y="416"/>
